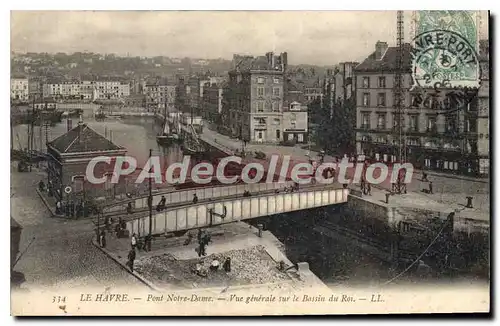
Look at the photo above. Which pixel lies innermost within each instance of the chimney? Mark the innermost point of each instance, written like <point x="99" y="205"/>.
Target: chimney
<point x="269" y="57"/>
<point x="380" y="48"/>
<point x="284" y="60"/>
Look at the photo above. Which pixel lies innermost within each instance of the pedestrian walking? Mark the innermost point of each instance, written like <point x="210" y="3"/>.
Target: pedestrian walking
<point x="133" y="241"/>
<point x="131" y="259"/>
<point x="201" y="250"/>
<point x="227" y="265"/>
<point x="41" y="185"/>
<point x="58" y="207"/>
<point x="368" y="189"/>
<point x="200" y="235"/>
<point x="103" y="239"/>
<point x="430" y="187"/>
<point x="195" y="199"/>
<point x="363" y="188"/>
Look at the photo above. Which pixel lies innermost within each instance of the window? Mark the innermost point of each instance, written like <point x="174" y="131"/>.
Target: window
<point x="260" y="135"/>
<point x="278" y="134"/>
<point x="412" y="142"/>
<point x="276" y="91"/>
<point x="397" y="119"/>
<point x="276" y="81"/>
<point x="366" y="99"/>
<point x="260" y="106"/>
<point x="431" y="124"/>
<point x="413" y="123"/>
<point x="260" y="91"/>
<point x="300" y="138"/>
<point x="381" y="82"/>
<point x="260" y="80"/>
<point x="381" y="121"/>
<point x="381" y="99"/>
<point x="365" y="121"/>
<point x="471" y="125"/>
<point x="450" y="124"/>
<point x="276" y="106"/>
<point x="366" y="82"/>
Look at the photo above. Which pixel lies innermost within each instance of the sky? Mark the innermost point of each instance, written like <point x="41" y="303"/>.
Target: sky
<point x="309" y="37"/>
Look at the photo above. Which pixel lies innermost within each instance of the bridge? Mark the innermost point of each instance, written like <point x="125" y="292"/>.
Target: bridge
<point x="219" y="205"/>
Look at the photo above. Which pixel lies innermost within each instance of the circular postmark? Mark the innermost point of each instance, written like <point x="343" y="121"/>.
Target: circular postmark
<point x="444" y="59"/>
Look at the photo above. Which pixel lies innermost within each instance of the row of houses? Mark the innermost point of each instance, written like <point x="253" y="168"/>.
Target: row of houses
<point x="25" y="89"/>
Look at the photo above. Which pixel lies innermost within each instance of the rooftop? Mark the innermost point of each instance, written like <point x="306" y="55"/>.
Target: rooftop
<point x="388" y="62"/>
<point x="82" y="139"/>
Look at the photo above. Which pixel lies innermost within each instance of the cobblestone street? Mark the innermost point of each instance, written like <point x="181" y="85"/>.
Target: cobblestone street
<point x="62" y="255"/>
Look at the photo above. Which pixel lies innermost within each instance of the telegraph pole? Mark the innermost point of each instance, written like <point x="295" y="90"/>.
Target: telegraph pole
<point x="150" y="202"/>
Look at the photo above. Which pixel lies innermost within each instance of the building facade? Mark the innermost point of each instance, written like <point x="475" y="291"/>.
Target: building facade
<point x="160" y="94"/>
<point x="259" y="110"/>
<point x="69" y="156"/>
<point x="344" y="85"/>
<point x="213" y="100"/>
<point x="19" y="89"/>
<point x="483" y="110"/>
<point x="110" y="89"/>
<point x="438" y="134"/>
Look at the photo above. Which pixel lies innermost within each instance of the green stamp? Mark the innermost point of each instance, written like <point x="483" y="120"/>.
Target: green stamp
<point x="444" y="52"/>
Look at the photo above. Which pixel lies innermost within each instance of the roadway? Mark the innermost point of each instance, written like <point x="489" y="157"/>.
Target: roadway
<point x="61" y="255"/>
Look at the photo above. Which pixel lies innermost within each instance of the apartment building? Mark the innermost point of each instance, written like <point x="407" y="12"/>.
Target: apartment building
<point x="160" y="93"/>
<point x="19" y="89"/>
<point x="213" y="99"/>
<point x="258" y="107"/>
<point x="188" y="97"/>
<point x="343" y="81"/>
<point x="432" y="139"/>
<point x="483" y="110"/>
<point x="105" y="89"/>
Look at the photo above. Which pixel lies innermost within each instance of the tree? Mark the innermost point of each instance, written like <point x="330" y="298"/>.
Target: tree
<point x="343" y="121"/>
<point x="335" y="126"/>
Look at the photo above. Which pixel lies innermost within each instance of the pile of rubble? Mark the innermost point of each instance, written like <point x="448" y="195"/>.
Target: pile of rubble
<point x="248" y="266"/>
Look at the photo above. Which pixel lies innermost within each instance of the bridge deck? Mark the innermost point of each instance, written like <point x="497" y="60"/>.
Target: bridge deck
<point x="174" y="196"/>
<point x="223" y="211"/>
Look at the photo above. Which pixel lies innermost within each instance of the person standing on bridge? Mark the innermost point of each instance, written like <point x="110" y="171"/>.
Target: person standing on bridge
<point x="161" y="204"/>
<point x="195" y="199"/>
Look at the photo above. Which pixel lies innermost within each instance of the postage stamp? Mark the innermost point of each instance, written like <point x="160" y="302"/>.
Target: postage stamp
<point x="445" y="49"/>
